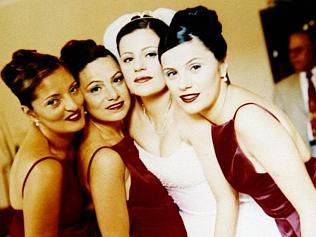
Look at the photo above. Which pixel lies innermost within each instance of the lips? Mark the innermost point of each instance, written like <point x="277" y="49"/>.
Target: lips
<point x="74" y="116"/>
<point x="116" y="106"/>
<point x="142" y="79"/>
<point x="188" y="98"/>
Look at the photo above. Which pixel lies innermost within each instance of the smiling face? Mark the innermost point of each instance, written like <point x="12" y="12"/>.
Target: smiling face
<point x="139" y="62"/>
<point x="106" y="95"/>
<point x="58" y="103"/>
<point x="192" y="75"/>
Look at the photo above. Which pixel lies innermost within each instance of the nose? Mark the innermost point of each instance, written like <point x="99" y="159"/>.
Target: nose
<point x="139" y="64"/>
<point x="112" y="94"/>
<point x="70" y="103"/>
<point x="184" y="83"/>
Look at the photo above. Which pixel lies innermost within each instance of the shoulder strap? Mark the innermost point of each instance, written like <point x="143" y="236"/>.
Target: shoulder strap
<point x="90" y="163"/>
<point x="251" y="103"/>
<point x="32" y="167"/>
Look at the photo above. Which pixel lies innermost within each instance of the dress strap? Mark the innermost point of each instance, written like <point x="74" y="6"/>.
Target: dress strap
<point x="252" y="103"/>
<point x="90" y="163"/>
<point x="32" y="167"/>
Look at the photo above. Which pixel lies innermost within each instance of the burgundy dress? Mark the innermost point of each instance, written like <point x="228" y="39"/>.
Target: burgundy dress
<point x="243" y="177"/>
<point x="75" y="221"/>
<point x="152" y="212"/>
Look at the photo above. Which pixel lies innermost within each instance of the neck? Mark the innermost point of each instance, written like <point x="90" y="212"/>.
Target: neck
<point x="157" y="110"/>
<point x="60" y="144"/>
<point x="108" y="130"/>
<point x="155" y="105"/>
<point x="214" y="112"/>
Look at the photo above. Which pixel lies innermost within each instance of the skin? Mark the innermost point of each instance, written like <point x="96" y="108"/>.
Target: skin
<point x="139" y="60"/>
<point x="195" y="66"/>
<point x="57" y="98"/>
<point x="301" y="52"/>
<point x="107" y="101"/>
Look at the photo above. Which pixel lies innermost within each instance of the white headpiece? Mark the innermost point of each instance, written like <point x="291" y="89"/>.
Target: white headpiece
<point x="110" y="34"/>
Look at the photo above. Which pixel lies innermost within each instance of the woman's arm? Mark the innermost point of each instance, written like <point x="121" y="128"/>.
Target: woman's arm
<point x="107" y="185"/>
<point x="272" y="146"/>
<point x="226" y="197"/>
<point x="42" y="199"/>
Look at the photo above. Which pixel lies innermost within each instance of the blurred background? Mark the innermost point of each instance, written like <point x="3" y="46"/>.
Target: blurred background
<point x="256" y="33"/>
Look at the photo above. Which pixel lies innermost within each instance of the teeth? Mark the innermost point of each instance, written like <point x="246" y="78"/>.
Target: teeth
<point x="73" y="116"/>
<point x="189" y="96"/>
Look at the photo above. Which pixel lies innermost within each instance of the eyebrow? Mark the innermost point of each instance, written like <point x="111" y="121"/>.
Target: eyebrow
<point x="57" y="94"/>
<point x="143" y="49"/>
<point x="190" y="61"/>
<point x="91" y="82"/>
<point x="116" y="73"/>
<point x="96" y="81"/>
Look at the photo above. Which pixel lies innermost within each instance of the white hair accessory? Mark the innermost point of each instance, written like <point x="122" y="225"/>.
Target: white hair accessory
<point x="111" y="32"/>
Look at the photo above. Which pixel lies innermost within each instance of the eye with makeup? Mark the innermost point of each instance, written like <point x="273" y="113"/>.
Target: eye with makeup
<point x="151" y="54"/>
<point x="74" y="89"/>
<point x="52" y="102"/>
<point x="170" y="74"/>
<point x="118" y="78"/>
<point x="195" y="67"/>
<point x="95" y="88"/>
<point x="127" y="59"/>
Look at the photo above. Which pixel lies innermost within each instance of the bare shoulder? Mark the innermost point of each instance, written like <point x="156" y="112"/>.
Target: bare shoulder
<point x="262" y="115"/>
<point x="104" y="160"/>
<point x="39" y="172"/>
<point x="26" y="160"/>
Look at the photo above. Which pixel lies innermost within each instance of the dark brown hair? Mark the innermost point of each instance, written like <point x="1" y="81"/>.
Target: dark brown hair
<point x="26" y="71"/>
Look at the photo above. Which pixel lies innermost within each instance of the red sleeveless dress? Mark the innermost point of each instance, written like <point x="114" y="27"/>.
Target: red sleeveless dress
<point x="243" y="177"/>
<point x="152" y="212"/>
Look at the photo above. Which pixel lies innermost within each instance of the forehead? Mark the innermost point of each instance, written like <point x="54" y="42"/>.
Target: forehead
<point x="139" y="39"/>
<point x="185" y="52"/>
<point x="56" y="83"/>
<point x="102" y="68"/>
<point x="299" y="39"/>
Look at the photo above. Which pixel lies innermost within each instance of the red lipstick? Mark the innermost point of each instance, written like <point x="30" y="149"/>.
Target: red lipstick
<point x="74" y="116"/>
<point x="142" y="79"/>
<point x="188" y="98"/>
<point x="116" y="106"/>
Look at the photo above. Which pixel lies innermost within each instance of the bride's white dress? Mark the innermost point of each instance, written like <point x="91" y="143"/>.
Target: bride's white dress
<point x="183" y="177"/>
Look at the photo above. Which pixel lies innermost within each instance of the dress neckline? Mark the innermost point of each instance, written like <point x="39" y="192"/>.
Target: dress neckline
<point x="168" y="157"/>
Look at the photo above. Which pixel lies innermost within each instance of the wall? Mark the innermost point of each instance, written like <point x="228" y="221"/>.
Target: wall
<point x="46" y="25"/>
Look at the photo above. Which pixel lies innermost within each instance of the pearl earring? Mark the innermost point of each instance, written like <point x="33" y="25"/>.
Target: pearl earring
<point x="36" y="122"/>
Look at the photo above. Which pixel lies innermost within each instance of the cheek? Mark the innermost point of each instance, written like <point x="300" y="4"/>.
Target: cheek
<point x="127" y="71"/>
<point x="79" y="99"/>
<point x="93" y="102"/>
<point x="51" y="115"/>
<point x="172" y="86"/>
<point x="123" y="91"/>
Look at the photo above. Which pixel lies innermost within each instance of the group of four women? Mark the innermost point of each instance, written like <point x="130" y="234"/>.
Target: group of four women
<point x="154" y="141"/>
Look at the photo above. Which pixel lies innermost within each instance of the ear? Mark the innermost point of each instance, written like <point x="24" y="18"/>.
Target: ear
<point x="29" y="113"/>
<point x="223" y="68"/>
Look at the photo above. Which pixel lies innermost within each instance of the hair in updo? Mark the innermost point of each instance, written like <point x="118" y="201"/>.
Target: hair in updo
<point x="200" y="22"/>
<point x="76" y="54"/>
<point x="26" y="71"/>
<point x="145" y="22"/>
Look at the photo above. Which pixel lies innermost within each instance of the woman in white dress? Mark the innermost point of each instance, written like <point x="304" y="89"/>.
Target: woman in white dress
<point x="169" y="142"/>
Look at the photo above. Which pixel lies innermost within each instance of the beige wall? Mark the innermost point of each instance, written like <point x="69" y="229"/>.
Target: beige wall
<point x="46" y="25"/>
